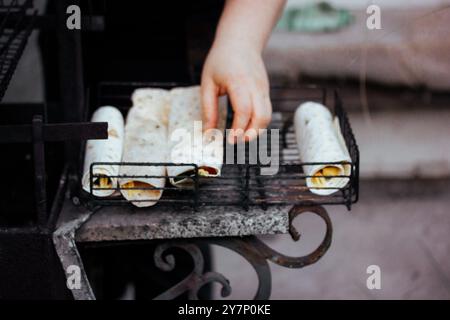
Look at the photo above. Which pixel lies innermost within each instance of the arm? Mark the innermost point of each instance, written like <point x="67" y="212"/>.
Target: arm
<point x="235" y="67"/>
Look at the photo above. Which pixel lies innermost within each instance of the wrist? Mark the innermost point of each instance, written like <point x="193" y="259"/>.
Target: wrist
<point x="237" y="45"/>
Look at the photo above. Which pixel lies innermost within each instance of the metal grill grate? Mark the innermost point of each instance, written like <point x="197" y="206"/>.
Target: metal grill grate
<point x="15" y="28"/>
<point x="244" y="184"/>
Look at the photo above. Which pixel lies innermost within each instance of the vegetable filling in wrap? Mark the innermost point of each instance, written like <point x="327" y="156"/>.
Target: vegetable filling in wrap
<point x="104" y="176"/>
<point x="187" y="142"/>
<point x="320" y="140"/>
<point x="145" y="142"/>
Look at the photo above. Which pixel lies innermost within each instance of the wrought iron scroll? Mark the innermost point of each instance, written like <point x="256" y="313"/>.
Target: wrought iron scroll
<point x="255" y="251"/>
<point x="196" y="279"/>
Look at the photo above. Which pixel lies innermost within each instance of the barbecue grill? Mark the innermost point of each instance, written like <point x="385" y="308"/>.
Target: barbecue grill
<point x="228" y="211"/>
<point x="243" y="184"/>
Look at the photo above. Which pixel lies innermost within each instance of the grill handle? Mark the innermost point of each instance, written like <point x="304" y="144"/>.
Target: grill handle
<point x="55" y="132"/>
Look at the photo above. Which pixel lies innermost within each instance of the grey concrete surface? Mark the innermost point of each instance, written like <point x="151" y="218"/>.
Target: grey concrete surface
<point x="130" y="223"/>
<point x="395" y="226"/>
<point x="408" y="49"/>
<point x="404" y="143"/>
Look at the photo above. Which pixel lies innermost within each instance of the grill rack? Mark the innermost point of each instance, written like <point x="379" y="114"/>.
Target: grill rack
<point x="243" y="185"/>
<point x="16" y="23"/>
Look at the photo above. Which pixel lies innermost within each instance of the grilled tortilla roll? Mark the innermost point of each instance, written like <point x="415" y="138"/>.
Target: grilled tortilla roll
<point x="188" y="144"/>
<point x="110" y="150"/>
<point x="320" y="140"/>
<point x="145" y="142"/>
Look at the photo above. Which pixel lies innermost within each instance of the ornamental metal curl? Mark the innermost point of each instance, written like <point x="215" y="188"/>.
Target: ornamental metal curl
<point x="299" y="262"/>
<point x="243" y="246"/>
<point x="255" y="251"/>
<point x="195" y="280"/>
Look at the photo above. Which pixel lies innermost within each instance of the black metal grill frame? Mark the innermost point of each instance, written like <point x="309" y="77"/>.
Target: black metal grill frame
<point x="240" y="184"/>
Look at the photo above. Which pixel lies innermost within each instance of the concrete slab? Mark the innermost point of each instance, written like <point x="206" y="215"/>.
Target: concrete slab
<point x="130" y="223"/>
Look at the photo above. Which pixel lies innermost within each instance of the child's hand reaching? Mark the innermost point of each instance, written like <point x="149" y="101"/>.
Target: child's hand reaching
<point x="240" y="73"/>
<point x="235" y="67"/>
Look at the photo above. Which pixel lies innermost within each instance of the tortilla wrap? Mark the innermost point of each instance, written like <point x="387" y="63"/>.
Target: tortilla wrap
<point x="188" y="144"/>
<point x="110" y="150"/>
<point x="319" y="139"/>
<point x="145" y="142"/>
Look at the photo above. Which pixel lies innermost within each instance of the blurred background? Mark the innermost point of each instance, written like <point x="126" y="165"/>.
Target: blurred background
<point x="395" y="84"/>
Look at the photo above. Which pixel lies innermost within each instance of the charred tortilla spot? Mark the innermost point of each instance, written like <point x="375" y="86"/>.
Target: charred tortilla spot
<point x="113" y="133"/>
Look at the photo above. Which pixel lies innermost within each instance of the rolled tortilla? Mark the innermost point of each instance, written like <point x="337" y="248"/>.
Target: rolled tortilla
<point x="145" y="142"/>
<point x="110" y="150"/>
<point x="319" y="139"/>
<point x="188" y="144"/>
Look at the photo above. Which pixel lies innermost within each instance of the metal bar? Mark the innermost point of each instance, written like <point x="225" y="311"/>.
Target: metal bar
<point x="246" y="188"/>
<point x="58" y="201"/>
<point x="76" y="131"/>
<point x="55" y="132"/>
<point x="196" y="190"/>
<point x="71" y="219"/>
<point x="70" y="76"/>
<point x="39" y="167"/>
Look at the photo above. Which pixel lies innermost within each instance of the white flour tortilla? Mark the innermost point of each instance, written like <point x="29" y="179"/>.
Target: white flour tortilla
<point x="319" y="139"/>
<point x="109" y="150"/>
<point x="187" y="143"/>
<point x="145" y="142"/>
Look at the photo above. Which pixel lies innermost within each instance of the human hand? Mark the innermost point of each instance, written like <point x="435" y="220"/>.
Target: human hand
<point x="238" y="71"/>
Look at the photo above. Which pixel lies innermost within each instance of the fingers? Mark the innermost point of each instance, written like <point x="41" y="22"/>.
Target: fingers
<point x="209" y="96"/>
<point x="251" y="105"/>
<point x="242" y="106"/>
<point x="261" y="115"/>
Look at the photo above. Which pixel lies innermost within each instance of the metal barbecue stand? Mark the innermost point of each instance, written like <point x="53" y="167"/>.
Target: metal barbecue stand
<point x="229" y="211"/>
<point x="27" y="255"/>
